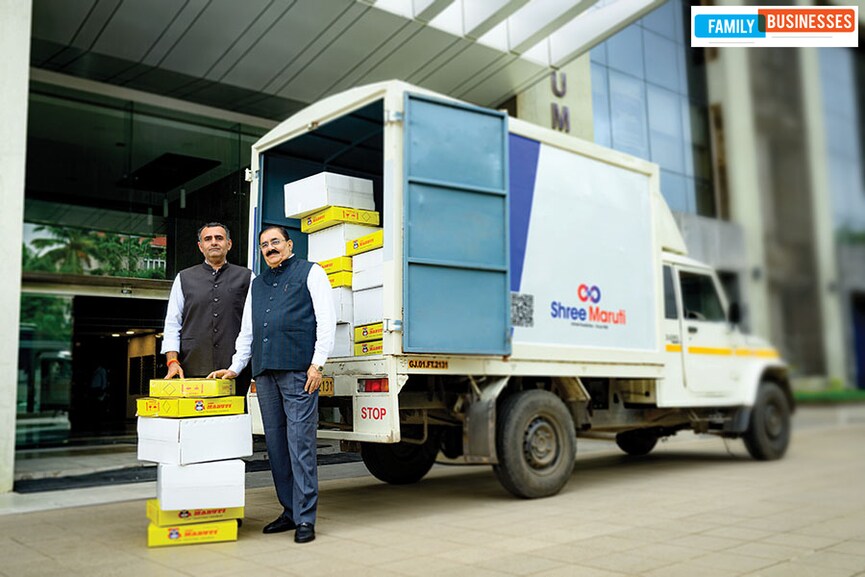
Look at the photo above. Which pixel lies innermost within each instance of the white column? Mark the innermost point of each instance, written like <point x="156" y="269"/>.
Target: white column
<point x="825" y="252"/>
<point x="15" y="16"/>
<point x="730" y="86"/>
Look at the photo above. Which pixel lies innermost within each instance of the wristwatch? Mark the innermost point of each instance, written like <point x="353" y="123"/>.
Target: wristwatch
<point x="319" y="368"/>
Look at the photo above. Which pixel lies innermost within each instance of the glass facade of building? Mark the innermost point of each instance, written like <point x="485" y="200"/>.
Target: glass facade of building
<point x="115" y="192"/>
<point x="841" y="114"/>
<point x="649" y="99"/>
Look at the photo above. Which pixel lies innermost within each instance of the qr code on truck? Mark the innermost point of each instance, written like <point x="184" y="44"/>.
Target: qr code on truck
<point x="522" y="310"/>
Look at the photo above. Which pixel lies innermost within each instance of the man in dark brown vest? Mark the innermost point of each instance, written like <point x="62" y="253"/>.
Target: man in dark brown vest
<point x="205" y="310"/>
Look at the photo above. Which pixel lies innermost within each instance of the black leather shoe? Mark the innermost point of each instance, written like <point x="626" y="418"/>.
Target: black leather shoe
<point x="305" y="533"/>
<point x="280" y="525"/>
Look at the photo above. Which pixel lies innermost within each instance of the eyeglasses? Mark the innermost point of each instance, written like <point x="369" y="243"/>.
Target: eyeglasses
<point x="274" y="243"/>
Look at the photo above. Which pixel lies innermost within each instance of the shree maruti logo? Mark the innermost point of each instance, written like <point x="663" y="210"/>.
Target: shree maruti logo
<point x="589" y="310"/>
<point x="589" y="293"/>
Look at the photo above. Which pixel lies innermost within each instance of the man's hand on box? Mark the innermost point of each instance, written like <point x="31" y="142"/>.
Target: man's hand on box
<point x="174" y="370"/>
<point x="222" y="374"/>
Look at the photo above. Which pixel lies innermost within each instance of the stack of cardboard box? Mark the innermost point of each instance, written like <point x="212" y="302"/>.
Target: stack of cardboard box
<point x="196" y="432"/>
<point x="338" y="213"/>
<point x="367" y="293"/>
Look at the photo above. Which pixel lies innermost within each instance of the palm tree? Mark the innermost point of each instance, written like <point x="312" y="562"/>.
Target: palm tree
<point x="30" y="261"/>
<point x="70" y="251"/>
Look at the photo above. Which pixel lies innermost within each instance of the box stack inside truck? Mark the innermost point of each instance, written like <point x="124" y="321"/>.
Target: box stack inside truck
<point x="196" y="432"/>
<point x="337" y="212"/>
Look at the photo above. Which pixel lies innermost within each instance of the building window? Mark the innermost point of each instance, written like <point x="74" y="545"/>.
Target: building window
<point x="649" y="99"/>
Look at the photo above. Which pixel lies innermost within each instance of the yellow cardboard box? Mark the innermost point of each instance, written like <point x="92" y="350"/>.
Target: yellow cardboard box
<point x="189" y="406"/>
<point x="191" y="387"/>
<point x="213" y="532"/>
<point x="336" y="214"/>
<point x="337" y="264"/>
<point x="365" y="243"/>
<point x="341" y="278"/>
<point x="370" y="348"/>
<point x="162" y="518"/>
<point x="367" y="333"/>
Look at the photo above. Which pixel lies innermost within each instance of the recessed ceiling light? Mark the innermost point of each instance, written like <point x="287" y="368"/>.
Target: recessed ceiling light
<point x="115" y="334"/>
<point x="130" y="332"/>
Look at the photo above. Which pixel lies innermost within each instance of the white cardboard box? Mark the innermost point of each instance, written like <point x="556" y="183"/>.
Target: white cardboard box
<point x="194" y="439"/>
<point x="330" y="242"/>
<point x="343" y="341"/>
<point x="343" y="304"/>
<point x="368" y="306"/>
<point x="316" y="192"/>
<point x="367" y="278"/>
<point x="204" y="485"/>
<point x="367" y="260"/>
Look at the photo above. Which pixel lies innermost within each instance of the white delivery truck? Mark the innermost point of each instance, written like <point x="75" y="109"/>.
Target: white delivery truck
<point x="534" y="289"/>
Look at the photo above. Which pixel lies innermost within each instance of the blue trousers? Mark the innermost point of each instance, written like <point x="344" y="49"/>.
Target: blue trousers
<point x="290" y="418"/>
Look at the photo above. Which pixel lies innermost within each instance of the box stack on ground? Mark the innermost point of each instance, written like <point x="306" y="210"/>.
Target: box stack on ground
<point x="338" y="213"/>
<point x="196" y="432"/>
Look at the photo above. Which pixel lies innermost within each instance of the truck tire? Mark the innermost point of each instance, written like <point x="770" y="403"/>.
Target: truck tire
<point x="536" y="444"/>
<point x="637" y="442"/>
<point x="400" y="463"/>
<point x="768" y="433"/>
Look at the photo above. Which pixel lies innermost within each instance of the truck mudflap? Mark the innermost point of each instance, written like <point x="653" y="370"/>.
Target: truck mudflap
<point x="375" y="415"/>
<point x="479" y="438"/>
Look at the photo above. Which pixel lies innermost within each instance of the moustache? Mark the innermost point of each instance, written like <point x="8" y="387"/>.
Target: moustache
<point x="270" y="252"/>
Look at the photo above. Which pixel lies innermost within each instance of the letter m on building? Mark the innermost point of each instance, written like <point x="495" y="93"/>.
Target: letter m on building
<point x="561" y="119"/>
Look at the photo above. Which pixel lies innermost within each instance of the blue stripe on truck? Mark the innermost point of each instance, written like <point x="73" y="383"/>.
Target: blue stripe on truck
<point x="523" y="170"/>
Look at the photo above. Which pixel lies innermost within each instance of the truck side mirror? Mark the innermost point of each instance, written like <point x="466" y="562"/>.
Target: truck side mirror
<point x="734" y="315"/>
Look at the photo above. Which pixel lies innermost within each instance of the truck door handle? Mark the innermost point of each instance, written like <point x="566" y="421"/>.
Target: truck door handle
<point x="692" y="330"/>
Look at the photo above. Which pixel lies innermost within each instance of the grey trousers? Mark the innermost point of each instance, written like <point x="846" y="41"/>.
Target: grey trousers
<point x="290" y="418"/>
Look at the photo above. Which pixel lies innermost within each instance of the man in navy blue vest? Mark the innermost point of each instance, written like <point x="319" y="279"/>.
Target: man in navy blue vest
<point x="288" y="330"/>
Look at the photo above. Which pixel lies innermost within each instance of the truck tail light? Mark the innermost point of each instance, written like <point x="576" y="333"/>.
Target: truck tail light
<point x="372" y="386"/>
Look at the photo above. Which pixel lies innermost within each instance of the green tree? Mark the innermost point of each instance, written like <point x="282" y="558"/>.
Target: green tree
<point x="70" y="251"/>
<point x="32" y="262"/>
<point x="50" y="315"/>
<point x="125" y="256"/>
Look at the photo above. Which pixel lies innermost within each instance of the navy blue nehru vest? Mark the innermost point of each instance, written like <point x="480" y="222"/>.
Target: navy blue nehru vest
<point x="283" y="318"/>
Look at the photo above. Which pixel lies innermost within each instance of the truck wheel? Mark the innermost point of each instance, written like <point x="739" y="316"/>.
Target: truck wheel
<point x="638" y="442"/>
<point x="768" y="433"/>
<point x="536" y="444"/>
<point x="400" y="463"/>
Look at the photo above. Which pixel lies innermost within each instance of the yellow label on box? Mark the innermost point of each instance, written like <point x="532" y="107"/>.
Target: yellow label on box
<point x="336" y="215"/>
<point x="338" y="279"/>
<point x="370" y="348"/>
<point x="368" y="333"/>
<point x="192" y="534"/>
<point x="189" y="407"/>
<point x="365" y="243"/>
<point x="337" y="264"/>
<point x="191" y="387"/>
<point x="162" y="518"/>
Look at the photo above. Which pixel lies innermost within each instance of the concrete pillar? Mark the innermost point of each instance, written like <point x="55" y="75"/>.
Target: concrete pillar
<point x="825" y="257"/>
<point x="730" y="87"/>
<point x="562" y="101"/>
<point x="15" y="16"/>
